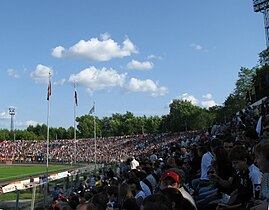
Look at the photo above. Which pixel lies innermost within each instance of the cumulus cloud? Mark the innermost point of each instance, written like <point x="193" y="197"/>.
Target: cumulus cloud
<point x="98" y="79"/>
<point x="188" y="97"/>
<point x="208" y="96"/>
<point x="41" y="74"/>
<point x="208" y="101"/>
<point x="13" y="73"/>
<point x="26" y="123"/>
<point x="136" y="85"/>
<point x="134" y="64"/>
<point x="196" y="46"/>
<point x="4" y="116"/>
<point x="96" y="50"/>
<point x="57" y="52"/>
<point x="152" y="56"/>
<point x="105" y="36"/>
<point x="61" y="82"/>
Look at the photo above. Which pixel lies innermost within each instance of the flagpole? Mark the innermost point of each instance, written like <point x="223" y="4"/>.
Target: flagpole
<point x="75" y="133"/>
<point x="94" y="123"/>
<point x="48" y="133"/>
<point x="48" y="117"/>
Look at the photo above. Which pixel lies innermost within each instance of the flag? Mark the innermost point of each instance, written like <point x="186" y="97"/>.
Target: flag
<point x="76" y="98"/>
<point x="92" y="110"/>
<point x="49" y="91"/>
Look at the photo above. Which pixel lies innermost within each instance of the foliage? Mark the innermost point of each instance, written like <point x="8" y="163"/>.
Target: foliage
<point x="264" y="56"/>
<point x="261" y="81"/>
<point x="244" y="83"/>
<point x="185" y="116"/>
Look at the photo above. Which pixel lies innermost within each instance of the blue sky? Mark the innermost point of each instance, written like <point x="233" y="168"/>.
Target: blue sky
<point x="125" y="55"/>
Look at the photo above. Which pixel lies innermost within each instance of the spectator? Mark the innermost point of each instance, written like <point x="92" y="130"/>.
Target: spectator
<point x="171" y="179"/>
<point x="134" y="163"/>
<point x="137" y="191"/>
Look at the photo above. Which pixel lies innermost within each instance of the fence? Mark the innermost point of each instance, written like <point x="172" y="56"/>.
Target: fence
<point x="29" y="194"/>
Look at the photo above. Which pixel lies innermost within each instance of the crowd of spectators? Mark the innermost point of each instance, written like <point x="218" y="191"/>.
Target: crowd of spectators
<point x="108" y="150"/>
<point x="224" y="167"/>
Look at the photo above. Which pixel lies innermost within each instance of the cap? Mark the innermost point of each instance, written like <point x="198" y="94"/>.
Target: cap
<point x="171" y="174"/>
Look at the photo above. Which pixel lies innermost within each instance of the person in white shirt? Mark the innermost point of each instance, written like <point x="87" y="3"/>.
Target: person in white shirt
<point x="256" y="177"/>
<point x="134" y="163"/>
<point x="206" y="166"/>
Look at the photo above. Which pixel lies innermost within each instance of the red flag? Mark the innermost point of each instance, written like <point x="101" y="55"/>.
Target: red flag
<point x="76" y="98"/>
<point x="49" y="91"/>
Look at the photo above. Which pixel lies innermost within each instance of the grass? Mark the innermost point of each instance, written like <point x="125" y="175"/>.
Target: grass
<point x="11" y="172"/>
<point x="26" y="194"/>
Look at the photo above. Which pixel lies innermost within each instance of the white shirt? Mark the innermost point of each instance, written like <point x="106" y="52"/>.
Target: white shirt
<point x="205" y="165"/>
<point x="256" y="177"/>
<point x="134" y="164"/>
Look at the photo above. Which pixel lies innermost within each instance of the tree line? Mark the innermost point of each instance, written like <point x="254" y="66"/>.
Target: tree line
<point x="252" y="84"/>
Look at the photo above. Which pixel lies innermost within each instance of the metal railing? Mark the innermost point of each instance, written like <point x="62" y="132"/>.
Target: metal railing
<point x="39" y="194"/>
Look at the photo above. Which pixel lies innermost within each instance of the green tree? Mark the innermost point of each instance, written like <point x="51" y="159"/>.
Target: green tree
<point x="116" y="125"/>
<point x="61" y="133"/>
<point x="85" y="126"/>
<point x="264" y="56"/>
<point x="183" y="115"/>
<point x="70" y="133"/>
<point x="261" y="82"/>
<point x="244" y="83"/>
<point x="25" y="135"/>
<point x="152" y="124"/>
<point x="165" y="124"/>
<point x="218" y="113"/>
<point x="4" y="134"/>
<point x="39" y="130"/>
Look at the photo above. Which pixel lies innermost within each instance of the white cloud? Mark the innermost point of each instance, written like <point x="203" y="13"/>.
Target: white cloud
<point x="197" y="46"/>
<point x="13" y="73"/>
<point x="41" y="74"/>
<point x="208" y="96"/>
<point x="58" y="51"/>
<point x="134" y="64"/>
<point x="208" y="103"/>
<point x="152" y="56"/>
<point x="96" y="50"/>
<point x="105" y="36"/>
<point x="61" y="82"/>
<point x="26" y="123"/>
<point x="5" y="121"/>
<point x="4" y="116"/>
<point x="98" y="79"/>
<point x="136" y="85"/>
<point x="188" y="97"/>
